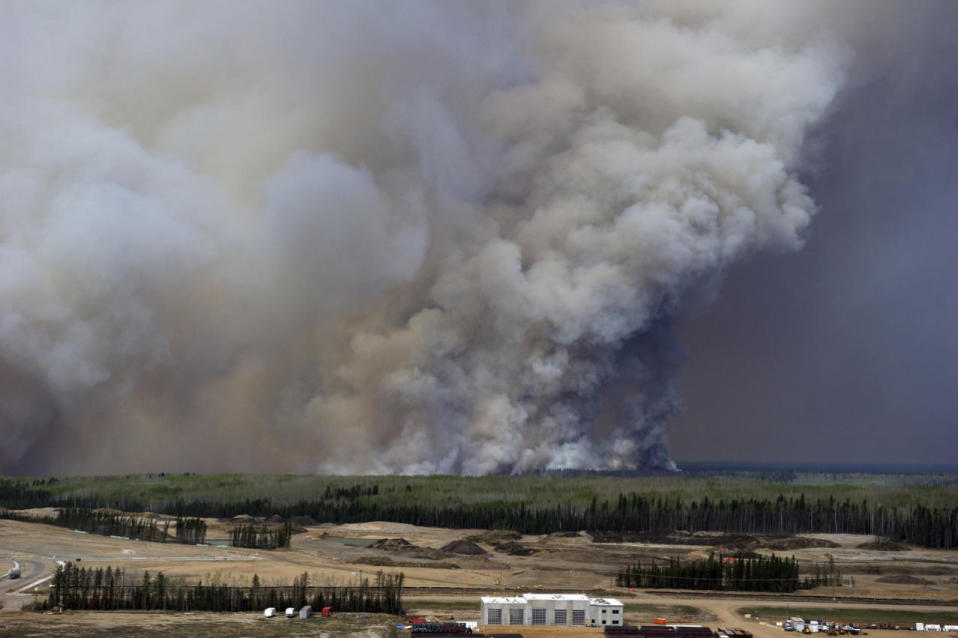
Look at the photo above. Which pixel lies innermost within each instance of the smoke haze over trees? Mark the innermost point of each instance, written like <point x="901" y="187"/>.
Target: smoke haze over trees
<point x="366" y="238"/>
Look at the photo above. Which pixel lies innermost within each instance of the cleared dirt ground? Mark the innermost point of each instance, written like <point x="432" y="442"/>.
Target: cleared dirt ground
<point x="443" y="582"/>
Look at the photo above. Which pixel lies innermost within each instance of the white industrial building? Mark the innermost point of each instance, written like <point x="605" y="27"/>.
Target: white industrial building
<point x="551" y="609"/>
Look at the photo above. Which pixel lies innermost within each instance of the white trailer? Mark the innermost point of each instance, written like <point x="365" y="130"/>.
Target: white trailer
<point x="270" y="612"/>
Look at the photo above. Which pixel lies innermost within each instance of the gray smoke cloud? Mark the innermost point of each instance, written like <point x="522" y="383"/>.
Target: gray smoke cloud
<point x="375" y="237"/>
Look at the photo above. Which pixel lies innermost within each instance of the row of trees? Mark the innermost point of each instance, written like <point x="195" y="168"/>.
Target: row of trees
<point x="191" y="531"/>
<point x="929" y="527"/>
<point x="760" y="573"/>
<point x="110" y="524"/>
<point x="188" y="530"/>
<point x="263" y="537"/>
<point x="935" y="527"/>
<point x="76" y="587"/>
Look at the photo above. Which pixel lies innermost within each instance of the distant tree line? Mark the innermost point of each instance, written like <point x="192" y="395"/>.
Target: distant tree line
<point x="917" y="524"/>
<point x="188" y="530"/>
<point x="110" y="524"/>
<point x="757" y="573"/>
<point x="934" y="527"/>
<point x="111" y="589"/>
<point x="740" y="572"/>
<point x="262" y="537"/>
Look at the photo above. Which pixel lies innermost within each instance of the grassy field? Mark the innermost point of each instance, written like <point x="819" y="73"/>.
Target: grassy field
<point x="672" y="612"/>
<point x="154" y="624"/>
<point x="852" y="615"/>
<point x="413" y="607"/>
<point x="891" y="490"/>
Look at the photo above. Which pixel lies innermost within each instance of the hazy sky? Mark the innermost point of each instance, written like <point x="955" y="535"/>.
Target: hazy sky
<point x="848" y="349"/>
<point x="469" y="237"/>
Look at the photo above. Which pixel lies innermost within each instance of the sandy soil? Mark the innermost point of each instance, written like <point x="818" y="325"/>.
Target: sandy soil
<point x="334" y="554"/>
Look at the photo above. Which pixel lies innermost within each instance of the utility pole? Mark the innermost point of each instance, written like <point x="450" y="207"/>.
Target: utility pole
<point x="831" y="572"/>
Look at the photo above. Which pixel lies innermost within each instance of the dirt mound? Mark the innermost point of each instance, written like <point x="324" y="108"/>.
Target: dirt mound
<point x="565" y="534"/>
<point x="275" y="518"/>
<point x="385" y="561"/>
<point x="429" y="553"/>
<point x="392" y="544"/>
<point x="735" y="542"/>
<point x="730" y="541"/>
<point x="884" y="546"/>
<point x="306" y="521"/>
<point x="514" y="549"/>
<point x="902" y="579"/>
<point x="795" y="542"/>
<point x="463" y="547"/>
<point x="494" y="536"/>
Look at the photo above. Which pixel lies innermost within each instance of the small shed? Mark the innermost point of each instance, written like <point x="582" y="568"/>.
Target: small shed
<point x="306" y="612"/>
<point x="270" y="612"/>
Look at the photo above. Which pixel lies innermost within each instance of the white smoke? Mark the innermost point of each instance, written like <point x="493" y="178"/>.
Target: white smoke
<point x="368" y="237"/>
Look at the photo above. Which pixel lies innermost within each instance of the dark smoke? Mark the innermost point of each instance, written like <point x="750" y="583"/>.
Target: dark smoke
<point x="364" y="237"/>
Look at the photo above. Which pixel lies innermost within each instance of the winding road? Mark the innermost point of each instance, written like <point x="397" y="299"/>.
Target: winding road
<point x="31" y="571"/>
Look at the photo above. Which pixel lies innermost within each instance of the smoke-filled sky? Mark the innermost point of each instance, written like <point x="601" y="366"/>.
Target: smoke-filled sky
<point x="848" y="349"/>
<point x="474" y="237"/>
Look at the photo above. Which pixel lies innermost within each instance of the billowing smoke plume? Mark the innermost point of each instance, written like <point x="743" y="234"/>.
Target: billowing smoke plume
<point x="380" y="237"/>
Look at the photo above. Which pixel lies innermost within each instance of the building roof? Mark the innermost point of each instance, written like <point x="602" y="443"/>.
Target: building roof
<point x="582" y="597"/>
<point x="527" y="598"/>
<point x="503" y="600"/>
<point x="605" y="602"/>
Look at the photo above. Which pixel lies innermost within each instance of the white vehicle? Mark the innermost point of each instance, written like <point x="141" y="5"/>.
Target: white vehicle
<point x="290" y="612"/>
<point x="270" y="612"/>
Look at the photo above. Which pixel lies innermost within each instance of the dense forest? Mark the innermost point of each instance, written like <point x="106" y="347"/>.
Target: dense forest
<point x="928" y="526"/>
<point x="110" y="589"/>
<point x="741" y="573"/>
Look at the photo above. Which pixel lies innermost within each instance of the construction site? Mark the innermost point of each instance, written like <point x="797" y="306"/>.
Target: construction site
<point x="449" y="573"/>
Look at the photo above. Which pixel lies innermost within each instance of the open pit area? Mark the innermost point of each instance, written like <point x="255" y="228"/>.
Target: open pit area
<point x="446" y="570"/>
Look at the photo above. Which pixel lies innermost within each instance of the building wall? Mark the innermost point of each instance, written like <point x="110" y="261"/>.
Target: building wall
<point x="551" y="606"/>
<point x="508" y="613"/>
<point x="531" y="611"/>
<point x="611" y="614"/>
